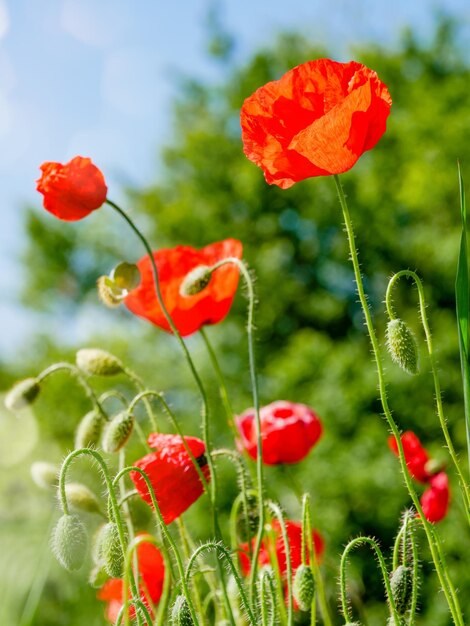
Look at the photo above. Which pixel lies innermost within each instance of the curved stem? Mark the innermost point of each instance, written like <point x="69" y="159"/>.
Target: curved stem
<point x="432" y="358"/>
<point x="141" y="387"/>
<point x="436" y="552"/>
<point x="344" y="559"/>
<point x="285" y="538"/>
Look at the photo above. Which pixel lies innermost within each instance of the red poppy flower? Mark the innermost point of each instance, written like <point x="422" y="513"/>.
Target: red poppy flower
<point x="415" y="455"/>
<point x="288" y="430"/>
<point x="316" y="120"/>
<point x="152" y="575"/>
<point x="73" y="190"/>
<point x="435" y="500"/>
<point x="294" y="532"/>
<point x="189" y="313"/>
<point x="170" y="469"/>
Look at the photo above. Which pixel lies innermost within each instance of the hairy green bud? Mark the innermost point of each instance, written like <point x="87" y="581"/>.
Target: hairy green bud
<point x="180" y="613"/>
<point x="89" y="430"/>
<point x="402" y="346"/>
<point x="401" y="582"/>
<point x="196" y="281"/>
<point x="22" y="394"/>
<point x="69" y="542"/>
<point x="97" y="362"/>
<point x="108" y="550"/>
<point x="44" y="474"/>
<point x="81" y="498"/>
<point x="118" y="431"/>
<point x="304" y="587"/>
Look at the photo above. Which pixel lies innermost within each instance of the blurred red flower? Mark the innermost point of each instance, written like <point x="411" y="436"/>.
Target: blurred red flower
<point x="316" y="120"/>
<point x="435" y="500"/>
<point x="172" y="474"/>
<point x="294" y="532"/>
<point x="189" y="313"/>
<point x="73" y="190"/>
<point x="415" y="455"/>
<point x="152" y="575"/>
<point x="289" y="430"/>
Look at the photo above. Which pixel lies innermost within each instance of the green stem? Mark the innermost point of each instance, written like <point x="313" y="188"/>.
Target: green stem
<point x="437" y="387"/>
<point x="141" y="387"/>
<point x="276" y="509"/>
<point x="446" y="584"/>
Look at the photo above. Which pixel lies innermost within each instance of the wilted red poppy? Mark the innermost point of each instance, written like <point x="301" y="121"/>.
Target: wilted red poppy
<point x="170" y="469"/>
<point x="294" y="532"/>
<point x="73" y="190"/>
<point x="415" y="455"/>
<point x="316" y="120"/>
<point x="435" y="500"/>
<point x="189" y="313"/>
<point x="152" y="575"/>
<point x="289" y="430"/>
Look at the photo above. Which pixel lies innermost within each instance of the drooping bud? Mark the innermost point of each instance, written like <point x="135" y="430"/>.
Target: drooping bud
<point x="180" y="613"/>
<point x="402" y="346"/>
<point x="97" y="362"/>
<point x="44" y="474"/>
<point x="89" y="430"/>
<point x="22" y="394"/>
<point x="196" y="281"/>
<point x="401" y="583"/>
<point x="69" y="542"/>
<point x="304" y="587"/>
<point x="97" y="577"/>
<point x="108" y="550"/>
<point x="117" y="432"/>
<point x="81" y="498"/>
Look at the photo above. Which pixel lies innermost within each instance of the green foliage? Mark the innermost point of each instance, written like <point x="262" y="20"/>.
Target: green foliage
<point x="311" y="344"/>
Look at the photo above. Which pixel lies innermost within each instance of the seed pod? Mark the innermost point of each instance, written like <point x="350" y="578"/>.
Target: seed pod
<point x="89" y="430"/>
<point x="304" y="587"/>
<point x="22" y="394"/>
<point x="44" y="474"/>
<point x="196" y="281"/>
<point x="98" y="362"/>
<point x="69" y="542"/>
<point x="180" y="613"/>
<point x="81" y="498"/>
<point x="97" y="577"/>
<point x="401" y="582"/>
<point x="108" y="551"/>
<point x="118" y="432"/>
<point x="402" y="346"/>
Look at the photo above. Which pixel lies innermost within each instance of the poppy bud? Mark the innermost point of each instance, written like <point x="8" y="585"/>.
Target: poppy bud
<point x="69" y="542"/>
<point x="118" y="432"/>
<point x="98" y="362"/>
<point x="304" y="587"/>
<point x="81" y="498"/>
<point x="108" y="293"/>
<point x="196" y="280"/>
<point x="97" y="577"/>
<point x="89" y="430"/>
<point x="22" y="394"/>
<point x="44" y="474"/>
<point x="401" y="583"/>
<point x="180" y="613"/>
<point x="108" y="550"/>
<point x="402" y="346"/>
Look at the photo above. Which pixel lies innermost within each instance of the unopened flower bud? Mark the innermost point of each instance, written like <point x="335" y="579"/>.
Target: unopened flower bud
<point x="108" y="550"/>
<point x="81" y="498"/>
<point x="401" y="583"/>
<point x="45" y="474"/>
<point x="402" y="346"/>
<point x="22" y="394"/>
<point x="98" y="362"/>
<point x="69" y="542"/>
<point x="89" y="430"/>
<point x="304" y="587"/>
<point x="117" y="432"/>
<point x="97" y="577"/>
<point x="180" y="613"/>
<point x="196" y="281"/>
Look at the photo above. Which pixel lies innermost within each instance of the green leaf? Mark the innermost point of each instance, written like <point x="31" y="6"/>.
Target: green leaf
<point x="462" y="303"/>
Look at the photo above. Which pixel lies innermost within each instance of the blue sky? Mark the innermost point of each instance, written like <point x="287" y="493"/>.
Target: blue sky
<point x="96" y="77"/>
